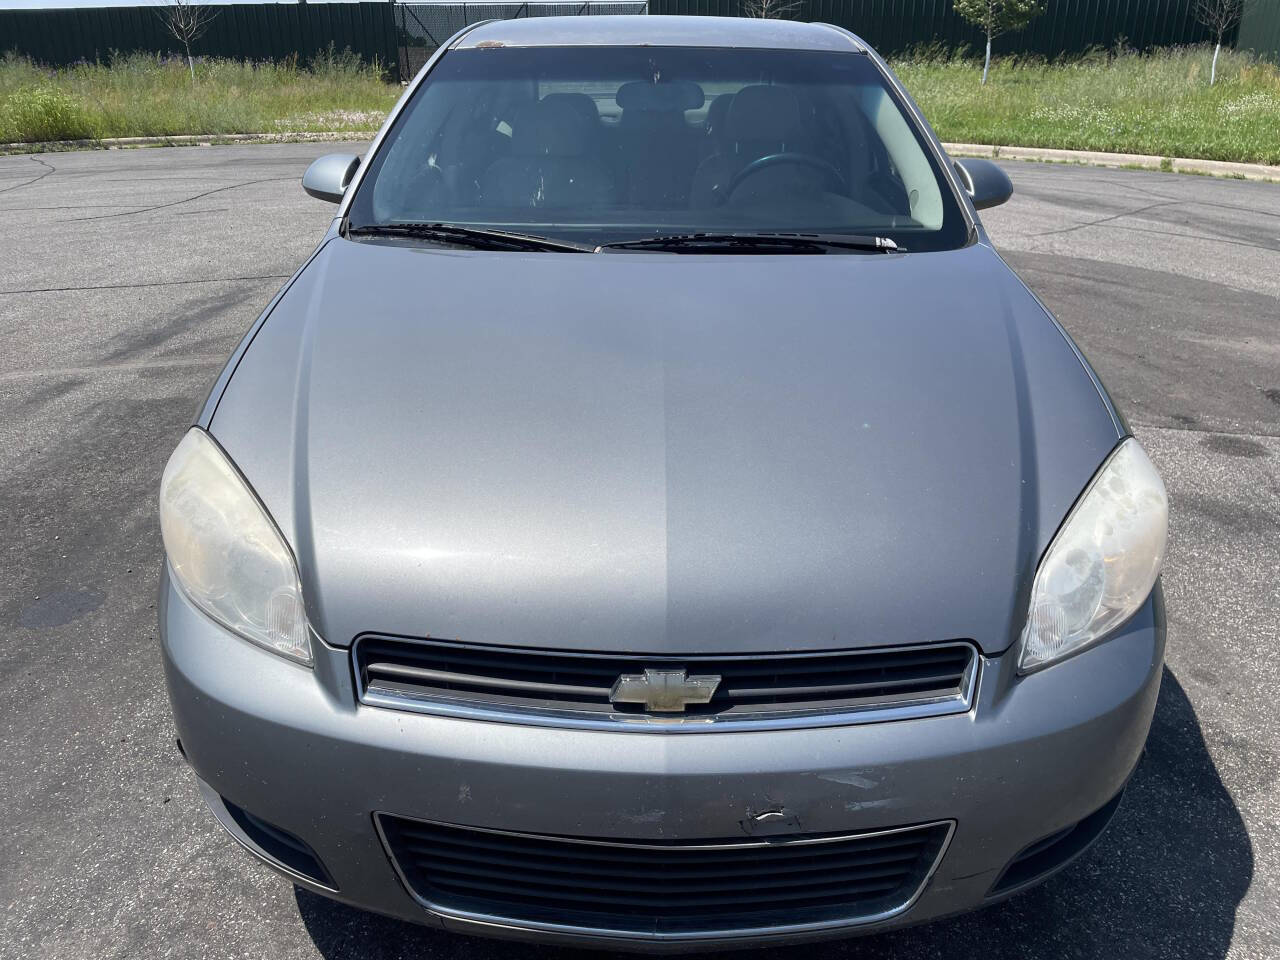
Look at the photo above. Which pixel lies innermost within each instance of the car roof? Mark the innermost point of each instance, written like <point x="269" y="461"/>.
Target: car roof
<point x="658" y="31"/>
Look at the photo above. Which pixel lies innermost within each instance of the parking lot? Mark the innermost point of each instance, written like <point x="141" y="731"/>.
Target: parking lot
<point x="126" y="278"/>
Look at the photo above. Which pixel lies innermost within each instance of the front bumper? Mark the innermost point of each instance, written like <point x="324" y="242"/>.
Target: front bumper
<point x="293" y="746"/>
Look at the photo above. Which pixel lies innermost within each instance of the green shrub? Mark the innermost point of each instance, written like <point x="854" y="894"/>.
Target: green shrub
<point x="338" y="65"/>
<point x="144" y="94"/>
<point x="1158" y="103"/>
<point x="44" y="112"/>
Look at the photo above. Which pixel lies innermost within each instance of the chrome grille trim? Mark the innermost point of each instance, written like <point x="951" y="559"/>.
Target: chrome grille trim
<point x="460" y="706"/>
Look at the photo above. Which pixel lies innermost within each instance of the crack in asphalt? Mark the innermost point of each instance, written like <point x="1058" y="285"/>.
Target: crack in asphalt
<point x="1166" y="201"/>
<point x="1190" y="236"/>
<point x="109" y="368"/>
<point x="196" y="177"/>
<point x="27" y="183"/>
<point x="1055" y="190"/>
<point x="1053" y="195"/>
<point x="1096" y="278"/>
<point x="67" y="206"/>
<point x="1206" y="431"/>
<point x="150" y="283"/>
<point x="174" y="203"/>
<point x="1114" y="216"/>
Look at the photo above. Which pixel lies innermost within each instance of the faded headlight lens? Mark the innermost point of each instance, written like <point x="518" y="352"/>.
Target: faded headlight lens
<point x="225" y="552"/>
<point x="1102" y="564"/>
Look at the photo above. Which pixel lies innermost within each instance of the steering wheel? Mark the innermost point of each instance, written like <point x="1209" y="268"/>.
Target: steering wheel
<point x="423" y="187"/>
<point x="426" y="177"/>
<point x="835" y="181"/>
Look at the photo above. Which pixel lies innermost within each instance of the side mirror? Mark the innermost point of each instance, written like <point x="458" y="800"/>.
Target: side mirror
<point x="986" y="184"/>
<point x="327" y="178"/>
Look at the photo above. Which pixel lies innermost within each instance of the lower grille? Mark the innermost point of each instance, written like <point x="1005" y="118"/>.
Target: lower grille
<point x="437" y="676"/>
<point x="678" y="889"/>
<point x="279" y="845"/>
<point x="1053" y="852"/>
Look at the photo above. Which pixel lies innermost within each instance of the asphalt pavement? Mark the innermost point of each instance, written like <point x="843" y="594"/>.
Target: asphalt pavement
<point x="126" y="277"/>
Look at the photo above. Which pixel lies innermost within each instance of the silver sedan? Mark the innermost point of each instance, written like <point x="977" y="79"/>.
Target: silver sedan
<point x="655" y="517"/>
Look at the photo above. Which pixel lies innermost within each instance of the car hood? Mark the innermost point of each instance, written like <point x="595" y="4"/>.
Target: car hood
<point x="662" y="453"/>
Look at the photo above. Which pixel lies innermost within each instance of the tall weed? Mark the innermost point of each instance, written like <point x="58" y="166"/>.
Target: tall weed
<point x="1157" y="103"/>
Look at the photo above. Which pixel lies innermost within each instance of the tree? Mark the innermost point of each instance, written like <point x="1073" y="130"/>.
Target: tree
<point x="187" y="21"/>
<point x="996" y="17"/>
<point x="769" y="9"/>
<point x="1219" y="16"/>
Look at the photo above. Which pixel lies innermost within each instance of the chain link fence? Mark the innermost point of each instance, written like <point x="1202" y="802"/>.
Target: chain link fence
<point x="422" y="27"/>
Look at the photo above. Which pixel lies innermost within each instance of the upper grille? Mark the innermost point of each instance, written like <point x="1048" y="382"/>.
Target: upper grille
<point x="675" y="888"/>
<point x="441" y="676"/>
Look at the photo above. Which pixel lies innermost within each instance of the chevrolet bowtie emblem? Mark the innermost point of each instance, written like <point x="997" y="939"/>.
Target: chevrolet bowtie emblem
<point x="663" y="691"/>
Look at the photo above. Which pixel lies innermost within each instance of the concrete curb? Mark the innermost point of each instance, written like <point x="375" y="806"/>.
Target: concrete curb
<point x="186" y="140"/>
<point x="1094" y="158"/>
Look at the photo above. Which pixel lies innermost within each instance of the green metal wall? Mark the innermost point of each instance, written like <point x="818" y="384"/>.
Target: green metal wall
<point x="372" y="30"/>
<point x="243" y="31"/>
<point x="1260" y="29"/>
<point x="1068" y="26"/>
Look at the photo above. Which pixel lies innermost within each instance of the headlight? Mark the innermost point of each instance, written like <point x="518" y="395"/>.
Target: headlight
<point x="1102" y="564"/>
<point x="225" y="552"/>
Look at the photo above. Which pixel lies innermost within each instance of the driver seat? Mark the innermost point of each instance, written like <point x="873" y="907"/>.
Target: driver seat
<point x="761" y="120"/>
<point x="554" y="160"/>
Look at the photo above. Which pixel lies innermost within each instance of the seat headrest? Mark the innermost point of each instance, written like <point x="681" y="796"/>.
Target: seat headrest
<point x="762" y="112"/>
<point x="555" y="126"/>
<point x="667" y="96"/>
<point x="717" y="113"/>
<point x="580" y="102"/>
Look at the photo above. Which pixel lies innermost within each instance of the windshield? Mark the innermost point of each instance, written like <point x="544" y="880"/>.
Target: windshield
<point x="614" y="144"/>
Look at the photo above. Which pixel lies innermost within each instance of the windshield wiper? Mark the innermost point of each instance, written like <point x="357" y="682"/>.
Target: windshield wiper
<point x="761" y="242"/>
<point x="485" y="238"/>
<point x="480" y="238"/>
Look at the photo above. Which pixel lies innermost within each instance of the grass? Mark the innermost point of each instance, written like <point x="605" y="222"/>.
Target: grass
<point x="144" y="95"/>
<point x="1159" y="103"/>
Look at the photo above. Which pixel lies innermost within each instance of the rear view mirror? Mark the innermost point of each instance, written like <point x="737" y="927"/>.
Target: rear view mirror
<point x="986" y="184"/>
<point x="327" y="178"/>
